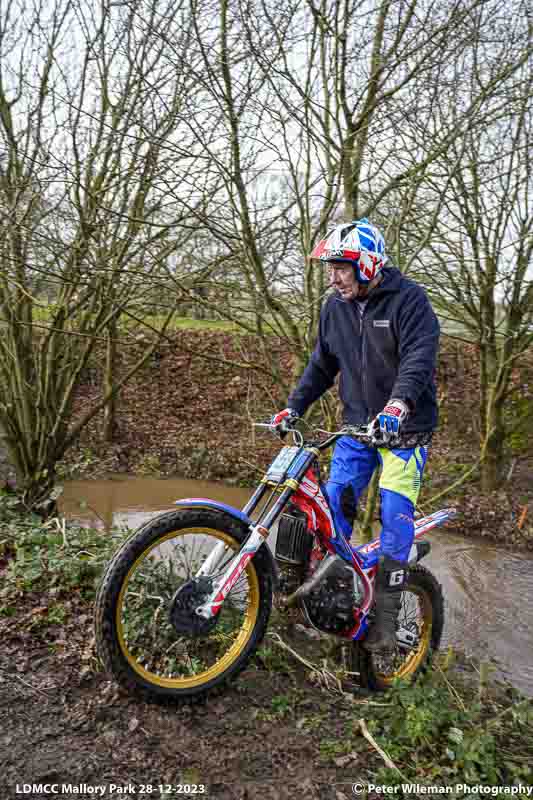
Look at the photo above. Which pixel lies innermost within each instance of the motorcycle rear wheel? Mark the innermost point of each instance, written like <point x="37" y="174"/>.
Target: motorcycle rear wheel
<point x="142" y="632"/>
<point x="422" y="612"/>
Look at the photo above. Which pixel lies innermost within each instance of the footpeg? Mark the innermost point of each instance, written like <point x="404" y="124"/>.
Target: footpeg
<point x="406" y="638"/>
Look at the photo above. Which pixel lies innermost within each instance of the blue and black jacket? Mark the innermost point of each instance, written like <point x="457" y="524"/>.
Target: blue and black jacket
<point x="390" y="351"/>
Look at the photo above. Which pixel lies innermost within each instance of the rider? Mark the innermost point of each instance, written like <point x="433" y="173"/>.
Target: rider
<point x="379" y="332"/>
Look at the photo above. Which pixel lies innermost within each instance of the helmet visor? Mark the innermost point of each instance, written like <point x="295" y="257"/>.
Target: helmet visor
<point x="324" y="252"/>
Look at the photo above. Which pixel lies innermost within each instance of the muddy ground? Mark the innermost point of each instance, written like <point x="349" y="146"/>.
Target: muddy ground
<point x="274" y="733"/>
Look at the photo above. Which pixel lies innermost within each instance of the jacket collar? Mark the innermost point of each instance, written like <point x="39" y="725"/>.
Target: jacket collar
<point x="392" y="280"/>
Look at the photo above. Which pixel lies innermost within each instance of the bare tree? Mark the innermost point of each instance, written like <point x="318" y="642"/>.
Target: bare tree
<point x="317" y="110"/>
<point x="482" y="275"/>
<point x="153" y="148"/>
<point x="90" y="115"/>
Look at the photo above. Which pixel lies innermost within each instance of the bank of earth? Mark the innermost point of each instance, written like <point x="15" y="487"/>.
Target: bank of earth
<point x="189" y="413"/>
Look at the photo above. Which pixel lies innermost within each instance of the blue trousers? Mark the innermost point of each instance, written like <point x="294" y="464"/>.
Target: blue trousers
<point x="401" y="475"/>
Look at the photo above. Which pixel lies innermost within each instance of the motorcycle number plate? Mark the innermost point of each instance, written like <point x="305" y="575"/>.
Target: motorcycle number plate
<point x="278" y="469"/>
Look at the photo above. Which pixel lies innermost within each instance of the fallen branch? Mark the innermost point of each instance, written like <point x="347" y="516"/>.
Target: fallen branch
<point x="368" y="736"/>
<point x="324" y="675"/>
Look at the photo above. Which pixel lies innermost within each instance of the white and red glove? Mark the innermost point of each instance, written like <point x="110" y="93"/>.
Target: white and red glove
<point x="388" y="423"/>
<point x="284" y="421"/>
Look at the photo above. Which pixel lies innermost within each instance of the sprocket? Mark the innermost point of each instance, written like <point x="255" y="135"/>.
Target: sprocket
<point x="330" y="606"/>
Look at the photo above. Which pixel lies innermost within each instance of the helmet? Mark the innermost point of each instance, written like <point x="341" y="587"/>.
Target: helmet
<point x="359" y="243"/>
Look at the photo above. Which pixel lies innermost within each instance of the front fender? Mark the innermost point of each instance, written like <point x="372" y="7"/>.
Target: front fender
<point x="236" y="513"/>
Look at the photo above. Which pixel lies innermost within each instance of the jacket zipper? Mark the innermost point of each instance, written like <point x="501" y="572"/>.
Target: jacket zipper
<point x="363" y="359"/>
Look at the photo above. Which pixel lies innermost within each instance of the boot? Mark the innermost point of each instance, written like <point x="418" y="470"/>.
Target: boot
<point x="390" y="580"/>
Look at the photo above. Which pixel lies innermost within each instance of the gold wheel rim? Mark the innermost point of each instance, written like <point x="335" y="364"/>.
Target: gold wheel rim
<point x="219" y="667"/>
<point x="416" y="658"/>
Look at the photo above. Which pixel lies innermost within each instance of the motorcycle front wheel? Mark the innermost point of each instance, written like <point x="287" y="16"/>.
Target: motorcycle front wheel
<point x="421" y="617"/>
<point x="147" y="633"/>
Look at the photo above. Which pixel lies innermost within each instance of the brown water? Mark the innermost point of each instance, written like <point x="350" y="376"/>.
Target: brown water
<point x="488" y="591"/>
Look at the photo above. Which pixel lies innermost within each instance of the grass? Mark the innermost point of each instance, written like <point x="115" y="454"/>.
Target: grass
<point x="156" y="321"/>
<point x="189" y="323"/>
<point x="51" y="557"/>
<point x="43" y="314"/>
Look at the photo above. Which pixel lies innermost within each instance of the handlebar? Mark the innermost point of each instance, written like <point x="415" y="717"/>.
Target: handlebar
<point x="361" y="432"/>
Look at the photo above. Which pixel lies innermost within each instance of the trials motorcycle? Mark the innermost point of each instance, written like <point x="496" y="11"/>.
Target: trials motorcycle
<point x="185" y="602"/>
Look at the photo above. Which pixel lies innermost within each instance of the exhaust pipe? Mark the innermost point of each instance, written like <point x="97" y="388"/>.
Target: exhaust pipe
<point x="329" y="564"/>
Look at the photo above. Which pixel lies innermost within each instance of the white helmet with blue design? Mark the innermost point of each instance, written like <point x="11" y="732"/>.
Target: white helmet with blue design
<point x="359" y="243"/>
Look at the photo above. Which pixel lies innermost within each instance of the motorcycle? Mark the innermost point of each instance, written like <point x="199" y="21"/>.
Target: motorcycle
<point x="186" y="600"/>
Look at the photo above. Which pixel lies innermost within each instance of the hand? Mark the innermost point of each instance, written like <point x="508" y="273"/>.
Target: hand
<point x="284" y="421"/>
<point x="388" y="423"/>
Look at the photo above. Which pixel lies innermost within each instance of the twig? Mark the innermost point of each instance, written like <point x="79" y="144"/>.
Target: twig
<point x="253" y="466"/>
<point x="323" y="674"/>
<point x="452" y="691"/>
<point x="279" y="641"/>
<point x="527" y="701"/>
<point x="102" y="520"/>
<point x="61" y="525"/>
<point x="462" y="478"/>
<point x="522" y="519"/>
<point x="388" y="761"/>
<point x="368" y="736"/>
<point x="33" y="688"/>
<point x="51" y="522"/>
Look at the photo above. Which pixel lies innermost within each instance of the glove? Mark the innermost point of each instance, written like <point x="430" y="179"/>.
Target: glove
<point x="387" y="424"/>
<point x="284" y="421"/>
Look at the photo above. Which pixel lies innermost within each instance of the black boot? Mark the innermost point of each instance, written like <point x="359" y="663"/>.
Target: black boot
<point x="390" y="581"/>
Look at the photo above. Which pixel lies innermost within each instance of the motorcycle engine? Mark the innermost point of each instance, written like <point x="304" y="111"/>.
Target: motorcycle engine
<point x="330" y="606"/>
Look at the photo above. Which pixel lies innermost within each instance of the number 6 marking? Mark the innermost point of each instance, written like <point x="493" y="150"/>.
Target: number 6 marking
<point x="396" y="578"/>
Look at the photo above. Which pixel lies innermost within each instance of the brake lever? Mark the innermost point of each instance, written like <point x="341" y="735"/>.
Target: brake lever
<point x="278" y="431"/>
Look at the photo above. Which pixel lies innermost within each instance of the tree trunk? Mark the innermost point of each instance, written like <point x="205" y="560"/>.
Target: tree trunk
<point x="109" y="377"/>
<point x="36" y="489"/>
<point x="492" y="464"/>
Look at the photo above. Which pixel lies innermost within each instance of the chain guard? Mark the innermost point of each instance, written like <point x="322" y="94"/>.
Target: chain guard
<point x="182" y="612"/>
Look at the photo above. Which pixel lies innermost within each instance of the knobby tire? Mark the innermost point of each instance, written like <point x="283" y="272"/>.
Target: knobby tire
<point x="424" y="584"/>
<point x="110" y="642"/>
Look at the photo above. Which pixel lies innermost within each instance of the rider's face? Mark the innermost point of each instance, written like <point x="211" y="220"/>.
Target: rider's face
<point x="342" y="277"/>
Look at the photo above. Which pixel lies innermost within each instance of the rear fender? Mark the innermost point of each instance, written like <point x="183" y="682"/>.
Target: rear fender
<point x="236" y="513"/>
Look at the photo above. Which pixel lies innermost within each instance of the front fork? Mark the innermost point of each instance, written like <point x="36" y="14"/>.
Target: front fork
<point x="258" y="534"/>
<point x="213" y="560"/>
<point x="211" y="606"/>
